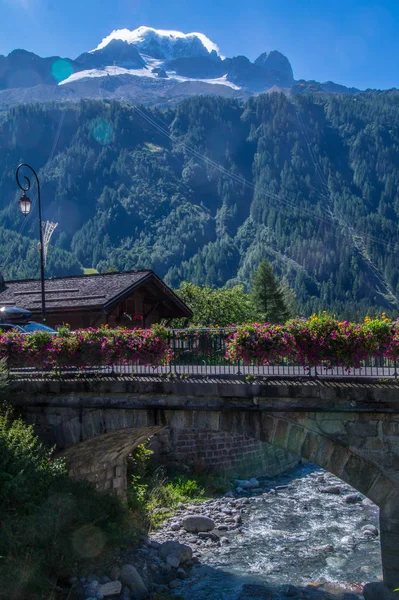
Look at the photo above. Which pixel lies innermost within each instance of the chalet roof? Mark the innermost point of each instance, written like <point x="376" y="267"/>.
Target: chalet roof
<point x="85" y="292"/>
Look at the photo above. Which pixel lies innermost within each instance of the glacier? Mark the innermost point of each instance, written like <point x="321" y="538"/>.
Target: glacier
<point x="115" y="71"/>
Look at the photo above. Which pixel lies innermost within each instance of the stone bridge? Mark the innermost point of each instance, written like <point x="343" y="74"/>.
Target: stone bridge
<point x="348" y="428"/>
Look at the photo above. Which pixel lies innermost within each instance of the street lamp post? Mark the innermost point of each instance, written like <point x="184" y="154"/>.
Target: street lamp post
<point x="25" y="205"/>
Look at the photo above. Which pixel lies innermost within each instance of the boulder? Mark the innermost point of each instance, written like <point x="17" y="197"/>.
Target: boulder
<point x="115" y="572"/>
<point x="331" y="489"/>
<point x="174" y="584"/>
<point x="132" y="579"/>
<point x="352" y="498"/>
<point x="113" y="588"/>
<point x="173" y="561"/>
<point x="181" y="573"/>
<point x="245" y="484"/>
<point x="370" y="530"/>
<point x="181" y="551"/>
<point x="197" y="523"/>
<point x="125" y="594"/>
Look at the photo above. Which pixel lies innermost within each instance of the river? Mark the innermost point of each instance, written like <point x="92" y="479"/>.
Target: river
<point x="294" y="535"/>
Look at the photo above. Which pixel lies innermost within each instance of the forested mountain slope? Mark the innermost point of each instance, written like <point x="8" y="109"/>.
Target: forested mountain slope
<point x="203" y="191"/>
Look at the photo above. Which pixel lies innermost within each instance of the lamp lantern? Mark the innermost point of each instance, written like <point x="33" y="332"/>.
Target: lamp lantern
<point x="25" y="204"/>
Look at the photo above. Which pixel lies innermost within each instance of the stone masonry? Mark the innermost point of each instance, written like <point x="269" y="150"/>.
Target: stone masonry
<point x="220" y="452"/>
<point x="348" y="428"/>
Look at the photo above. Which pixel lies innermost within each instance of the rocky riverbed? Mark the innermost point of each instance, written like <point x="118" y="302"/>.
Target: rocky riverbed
<point x="303" y="535"/>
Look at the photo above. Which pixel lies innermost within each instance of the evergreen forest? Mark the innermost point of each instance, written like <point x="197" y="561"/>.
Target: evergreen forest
<point x="204" y="191"/>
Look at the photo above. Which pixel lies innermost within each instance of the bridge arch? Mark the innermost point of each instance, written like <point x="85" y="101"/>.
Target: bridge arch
<point x="97" y="442"/>
<point x="351" y="431"/>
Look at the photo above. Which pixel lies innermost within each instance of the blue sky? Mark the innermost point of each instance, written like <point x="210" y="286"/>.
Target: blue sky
<point x="354" y="42"/>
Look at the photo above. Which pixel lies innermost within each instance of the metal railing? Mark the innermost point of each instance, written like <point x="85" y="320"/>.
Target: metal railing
<point x="201" y="353"/>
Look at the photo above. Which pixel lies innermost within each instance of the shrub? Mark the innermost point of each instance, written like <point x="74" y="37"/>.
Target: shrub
<point x="47" y="521"/>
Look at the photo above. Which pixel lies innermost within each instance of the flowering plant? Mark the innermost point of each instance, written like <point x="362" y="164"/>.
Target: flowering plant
<point x="259" y="344"/>
<point x="86" y="347"/>
<point x="319" y="340"/>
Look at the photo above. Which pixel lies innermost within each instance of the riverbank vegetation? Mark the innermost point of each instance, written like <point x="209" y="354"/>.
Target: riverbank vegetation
<point x="48" y="523"/>
<point x="156" y="491"/>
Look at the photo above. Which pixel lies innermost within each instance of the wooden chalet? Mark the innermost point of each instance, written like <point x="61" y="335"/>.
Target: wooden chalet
<point x="131" y="299"/>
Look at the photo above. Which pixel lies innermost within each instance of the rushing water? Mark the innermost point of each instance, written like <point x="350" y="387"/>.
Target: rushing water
<point x="298" y="536"/>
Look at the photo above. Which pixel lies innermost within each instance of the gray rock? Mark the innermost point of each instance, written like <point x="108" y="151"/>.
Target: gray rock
<point x="370" y="530"/>
<point x="197" y="523"/>
<point x="175" y="526"/>
<point x="224" y="540"/>
<point x="173" y="561"/>
<point x="105" y="579"/>
<point x="245" y="484"/>
<point x="208" y="535"/>
<point x="181" y="551"/>
<point x="125" y="594"/>
<point x="113" y="588"/>
<point x="222" y="528"/>
<point x="174" y="584"/>
<point x="181" y="574"/>
<point x="115" y="572"/>
<point x="254" y="482"/>
<point x="229" y="494"/>
<point x="331" y="489"/>
<point x="181" y="505"/>
<point x="130" y="577"/>
<point x="352" y="498"/>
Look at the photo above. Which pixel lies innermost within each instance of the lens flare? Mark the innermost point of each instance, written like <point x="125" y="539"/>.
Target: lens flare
<point x="88" y="541"/>
<point x="61" y="69"/>
<point x="102" y="131"/>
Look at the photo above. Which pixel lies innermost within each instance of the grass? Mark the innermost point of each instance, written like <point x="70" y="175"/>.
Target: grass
<point x="153" y="488"/>
<point x="90" y="271"/>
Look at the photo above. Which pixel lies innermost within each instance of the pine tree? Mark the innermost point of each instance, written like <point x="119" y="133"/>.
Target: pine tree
<point x="268" y="295"/>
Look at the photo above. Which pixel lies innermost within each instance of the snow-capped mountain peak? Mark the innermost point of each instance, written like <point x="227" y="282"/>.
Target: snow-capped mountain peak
<point x="163" y="44"/>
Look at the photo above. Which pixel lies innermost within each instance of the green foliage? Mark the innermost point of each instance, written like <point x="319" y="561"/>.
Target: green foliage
<point x="47" y="521"/>
<point x="268" y="296"/>
<point x="152" y="489"/>
<point x="90" y="271"/>
<point x="320" y="202"/>
<point x="27" y="469"/>
<point x="179" y="489"/>
<point x="215" y="307"/>
<point x="138" y="467"/>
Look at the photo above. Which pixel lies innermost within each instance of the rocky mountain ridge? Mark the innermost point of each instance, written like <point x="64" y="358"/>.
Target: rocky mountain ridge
<point x="152" y="67"/>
